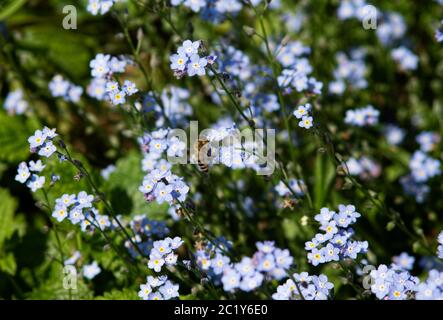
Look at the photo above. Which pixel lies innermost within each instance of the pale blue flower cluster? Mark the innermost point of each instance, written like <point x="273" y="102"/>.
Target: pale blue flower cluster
<point x="99" y="6"/>
<point x="392" y="284"/>
<point x="158" y="288"/>
<point x="423" y="167"/>
<point x="217" y="10"/>
<point x="171" y="107"/>
<point x="90" y="271"/>
<point x="15" y="102"/>
<point x="160" y="183"/>
<point x="40" y="143"/>
<point x="403" y="262"/>
<point x="415" y="189"/>
<point x="302" y="113"/>
<point x="440" y="245"/>
<point x="428" y="140"/>
<point x="187" y="60"/>
<point x="432" y="288"/>
<point x="79" y="210"/>
<point x="391" y="28"/>
<point x="162" y="253"/>
<point x="350" y="72"/>
<point x="363" y="167"/>
<point x="296" y="186"/>
<point x="72" y="260"/>
<point x="304" y="287"/>
<point x="60" y="87"/>
<point x="394" y="135"/>
<point x="106" y="172"/>
<point x="439" y="33"/>
<point x="291" y="56"/>
<point x="227" y="148"/>
<point x="294" y="21"/>
<point x="145" y="231"/>
<point x="361" y="117"/>
<point x="33" y="181"/>
<point x="298" y="78"/>
<point x="350" y="9"/>
<point x="405" y="58"/>
<point x="103" y="86"/>
<point x="336" y="243"/>
<point x="248" y="79"/>
<point x="267" y="263"/>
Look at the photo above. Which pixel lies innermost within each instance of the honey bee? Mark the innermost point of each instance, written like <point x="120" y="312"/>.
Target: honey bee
<point x="202" y="151"/>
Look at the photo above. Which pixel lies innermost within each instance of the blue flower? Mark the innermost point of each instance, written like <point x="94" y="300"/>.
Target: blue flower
<point x="432" y="288"/>
<point x="306" y="287"/>
<point x="47" y="149"/>
<point x="76" y="215"/>
<point x="90" y="271"/>
<point x="196" y="65"/>
<point x="15" y="103"/>
<point x="250" y="283"/>
<point x="22" y="173"/>
<point x="169" y="290"/>
<point x="188" y="47"/>
<point x="163" y="193"/>
<point x="37" y="140"/>
<point x="84" y="200"/>
<point x="302" y="111"/>
<point x="129" y="87"/>
<point x="162" y="247"/>
<point x="316" y="257"/>
<point x="306" y="122"/>
<point x="178" y="62"/>
<point x="155" y="262"/>
<point x="219" y="262"/>
<point x="36" y="182"/>
<point x="99" y="65"/>
<point x="145" y="291"/>
<point x="405" y="58"/>
<point x="245" y="267"/>
<point x="230" y="279"/>
<point x="174" y="243"/>
<point x="60" y="212"/>
<point x="118" y="97"/>
<point x="283" y="258"/>
<point x="404" y="261"/>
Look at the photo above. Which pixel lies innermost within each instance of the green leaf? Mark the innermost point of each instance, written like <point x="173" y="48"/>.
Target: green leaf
<point x="122" y="188"/>
<point x="125" y="294"/>
<point x="324" y="176"/>
<point x="52" y="287"/>
<point x="8" y="264"/>
<point x="14" y="133"/>
<point x="8" y="205"/>
<point x="67" y="182"/>
<point x="10" y="7"/>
